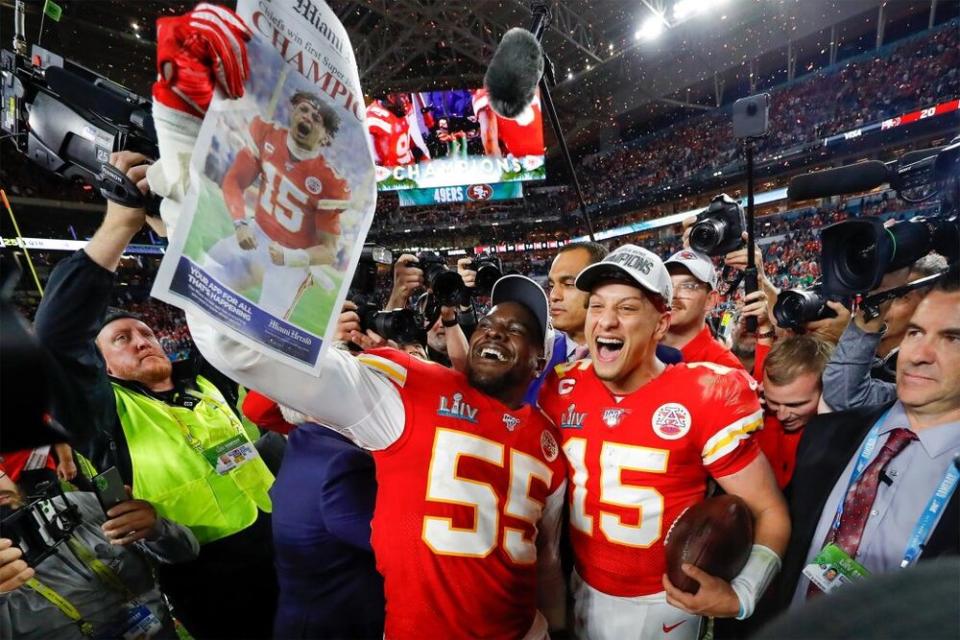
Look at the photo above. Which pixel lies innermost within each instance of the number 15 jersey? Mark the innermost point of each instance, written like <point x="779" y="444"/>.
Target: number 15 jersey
<point x="635" y="462"/>
<point x="293" y="187"/>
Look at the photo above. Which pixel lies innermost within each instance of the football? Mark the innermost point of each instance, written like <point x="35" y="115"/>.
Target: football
<point x="715" y="535"/>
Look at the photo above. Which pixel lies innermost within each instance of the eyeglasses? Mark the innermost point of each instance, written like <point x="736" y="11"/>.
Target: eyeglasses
<point x="688" y="287"/>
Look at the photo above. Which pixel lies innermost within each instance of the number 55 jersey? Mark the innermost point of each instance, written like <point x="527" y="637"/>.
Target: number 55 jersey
<point x="469" y="499"/>
<point x="635" y="462"/>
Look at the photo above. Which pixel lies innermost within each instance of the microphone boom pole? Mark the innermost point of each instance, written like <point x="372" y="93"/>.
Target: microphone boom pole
<point x="541" y="20"/>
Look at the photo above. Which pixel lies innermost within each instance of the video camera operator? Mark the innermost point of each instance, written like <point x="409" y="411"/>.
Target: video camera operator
<point x="862" y="370"/>
<point x="157" y="424"/>
<point x="99" y="581"/>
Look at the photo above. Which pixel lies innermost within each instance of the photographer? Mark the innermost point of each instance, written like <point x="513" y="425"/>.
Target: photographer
<point x="446" y="342"/>
<point x="862" y="370"/>
<point x="154" y="421"/>
<point x="99" y="582"/>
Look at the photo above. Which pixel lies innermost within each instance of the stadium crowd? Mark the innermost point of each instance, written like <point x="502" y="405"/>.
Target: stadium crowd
<point x="511" y="457"/>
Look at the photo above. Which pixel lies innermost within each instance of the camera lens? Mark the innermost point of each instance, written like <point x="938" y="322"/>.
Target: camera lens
<point x="446" y="285"/>
<point x="796" y="307"/>
<point x="707" y="235"/>
<point x="396" y="325"/>
<point x="487" y="275"/>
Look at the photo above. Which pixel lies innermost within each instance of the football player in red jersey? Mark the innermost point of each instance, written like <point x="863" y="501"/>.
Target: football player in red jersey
<point x="641" y="440"/>
<point x="521" y="136"/>
<point x="471" y="480"/>
<point x="296" y="224"/>
<point x="389" y="129"/>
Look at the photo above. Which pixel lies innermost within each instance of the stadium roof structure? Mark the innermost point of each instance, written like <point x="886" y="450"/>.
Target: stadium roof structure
<point x="612" y="74"/>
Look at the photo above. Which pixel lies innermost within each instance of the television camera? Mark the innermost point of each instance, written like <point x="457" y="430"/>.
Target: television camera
<point x="68" y="119"/>
<point x="857" y="253"/>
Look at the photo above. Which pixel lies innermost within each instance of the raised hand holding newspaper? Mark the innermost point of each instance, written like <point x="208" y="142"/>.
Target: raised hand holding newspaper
<point x="281" y="191"/>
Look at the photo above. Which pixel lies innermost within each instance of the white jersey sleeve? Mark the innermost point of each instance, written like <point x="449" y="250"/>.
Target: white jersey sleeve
<point x="551" y="591"/>
<point x="359" y="401"/>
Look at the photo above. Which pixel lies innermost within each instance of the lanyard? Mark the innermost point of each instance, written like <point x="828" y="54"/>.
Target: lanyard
<point x="192" y="440"/>
<point x="937" y="502"/>
<point x="107" y="575"/>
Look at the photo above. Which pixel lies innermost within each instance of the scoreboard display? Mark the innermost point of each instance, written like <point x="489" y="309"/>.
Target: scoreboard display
<point x="453" y="145"/>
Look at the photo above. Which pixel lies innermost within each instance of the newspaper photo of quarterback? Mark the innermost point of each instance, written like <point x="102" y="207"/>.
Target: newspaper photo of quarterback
<point x="296" y="224"/>
<point x="641" y="440"/>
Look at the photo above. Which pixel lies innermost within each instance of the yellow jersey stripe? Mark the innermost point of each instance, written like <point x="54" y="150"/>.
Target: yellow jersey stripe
<point x="392" y="370"/>
<point x="726" y="439"/>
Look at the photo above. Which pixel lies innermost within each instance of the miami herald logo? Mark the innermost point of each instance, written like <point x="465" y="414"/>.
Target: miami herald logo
<point x="457" y="409"/>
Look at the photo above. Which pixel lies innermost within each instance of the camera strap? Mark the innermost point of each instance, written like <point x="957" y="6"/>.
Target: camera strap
<point x="104" y="573"/>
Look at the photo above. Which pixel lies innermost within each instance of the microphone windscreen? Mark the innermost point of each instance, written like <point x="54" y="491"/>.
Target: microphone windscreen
<point x="514" y="72"/>
<point x="854" y="178"/>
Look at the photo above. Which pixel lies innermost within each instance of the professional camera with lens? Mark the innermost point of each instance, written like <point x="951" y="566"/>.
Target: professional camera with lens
<point x="797" y="307"/>
<point x="400" y="325"/>
<point x="40" y="525"/>
<point x="719" y="227"/>
<point x="372" y="259"/>
<point x="858" y="252"/>
<point x="489" y="269"/>
<point x="445" y="283"/>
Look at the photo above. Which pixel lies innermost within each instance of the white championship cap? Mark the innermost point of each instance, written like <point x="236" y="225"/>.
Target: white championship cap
<point x="634" y="264"/>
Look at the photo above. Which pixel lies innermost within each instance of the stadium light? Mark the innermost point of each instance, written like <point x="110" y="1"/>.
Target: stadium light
<point x="651" y="29"/>
<point x="683" y="9"/>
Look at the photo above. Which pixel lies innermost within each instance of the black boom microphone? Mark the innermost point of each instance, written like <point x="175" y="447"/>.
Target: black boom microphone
<point x="514" y="73"/>
<point x="854" y="178"/>
<point x="517" y="69"/>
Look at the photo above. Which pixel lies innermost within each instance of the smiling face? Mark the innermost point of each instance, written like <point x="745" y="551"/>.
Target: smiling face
<point x="928" y="366"/>
<point x="795" y="402"/>
<point x="306" y="126"/>
<point x="506" y="351"/>
<point x="132" y="352"/>
<point x="692" y="299"/>
<point x="568" y="305"/>
<point x="623" y="328"/>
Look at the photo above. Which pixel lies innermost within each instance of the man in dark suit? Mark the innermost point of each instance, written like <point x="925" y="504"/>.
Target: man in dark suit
<point x="867" y="478"/>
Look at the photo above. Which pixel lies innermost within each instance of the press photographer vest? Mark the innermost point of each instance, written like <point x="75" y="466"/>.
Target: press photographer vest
<point x="169" y="470"/>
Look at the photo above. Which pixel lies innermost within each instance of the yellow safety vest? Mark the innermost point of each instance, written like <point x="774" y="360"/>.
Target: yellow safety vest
<point x="166" y="446"/>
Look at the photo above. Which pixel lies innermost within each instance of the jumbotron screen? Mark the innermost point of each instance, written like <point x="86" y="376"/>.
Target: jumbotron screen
<point x="448" y="138"/>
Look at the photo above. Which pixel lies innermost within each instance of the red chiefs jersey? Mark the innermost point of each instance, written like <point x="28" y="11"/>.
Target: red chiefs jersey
<point x="780" y="447"/>
<point x="520" y="139"/>
<point x="635" y="465"/>
<point x="459" y="497"/>
<point x="391" y="136"/>
<point x="299" y="196"/>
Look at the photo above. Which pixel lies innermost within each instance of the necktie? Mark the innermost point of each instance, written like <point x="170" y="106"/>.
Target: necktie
<point x="582" y="351"/>
<point x="861" y="496"/>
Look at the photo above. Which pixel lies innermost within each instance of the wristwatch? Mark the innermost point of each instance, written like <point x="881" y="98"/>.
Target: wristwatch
<point x="767" y="334"/>
<point x="450" y="323"/>
<point x="240" y="223"/>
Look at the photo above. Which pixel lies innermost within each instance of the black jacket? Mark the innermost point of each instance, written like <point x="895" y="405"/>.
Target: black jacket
<point x="74" y="305"/>
<point x="829" y="442"/>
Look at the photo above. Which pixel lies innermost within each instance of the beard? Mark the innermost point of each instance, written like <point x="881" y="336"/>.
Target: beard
<point x="148" y="372"/>
<point x="494" y="385"/>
